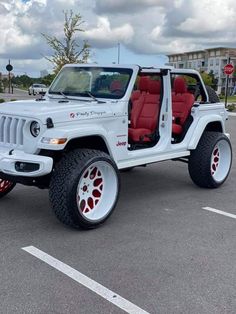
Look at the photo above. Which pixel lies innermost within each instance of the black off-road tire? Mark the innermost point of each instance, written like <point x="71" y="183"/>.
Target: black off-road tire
<point x="63" y="187"/>
<point x="202" y="165"/>
<point x="213" y="97"/>
<point x="7" y="189"/>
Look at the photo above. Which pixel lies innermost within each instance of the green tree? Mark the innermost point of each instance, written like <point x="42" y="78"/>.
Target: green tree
<point x="207" y="78"/>
<point x="23" y="80"/>
<point x="68" y="50"/>
<point x="214" y="80"/>
<point x="47" y="80"/>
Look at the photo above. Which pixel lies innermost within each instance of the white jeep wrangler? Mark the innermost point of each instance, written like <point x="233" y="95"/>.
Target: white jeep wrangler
<point x="96" y="120"/>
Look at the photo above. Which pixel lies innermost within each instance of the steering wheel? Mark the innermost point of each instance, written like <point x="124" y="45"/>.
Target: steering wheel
<point x="117" y="91"/>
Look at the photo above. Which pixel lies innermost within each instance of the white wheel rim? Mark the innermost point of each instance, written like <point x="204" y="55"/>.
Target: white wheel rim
<point x="97" y="191"/>
<point x="220" y="161"/>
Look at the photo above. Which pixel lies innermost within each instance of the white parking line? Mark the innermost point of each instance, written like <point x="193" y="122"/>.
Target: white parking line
<point x="217" y="211"/>
<point x="87" y="282"/>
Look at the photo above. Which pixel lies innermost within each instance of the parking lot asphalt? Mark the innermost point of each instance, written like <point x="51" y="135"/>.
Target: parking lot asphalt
<point x="160" y="250"/>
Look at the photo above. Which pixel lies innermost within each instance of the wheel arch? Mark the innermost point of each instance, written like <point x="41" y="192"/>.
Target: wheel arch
<point x="90" y="142"/>
<point x="210" y="125"/>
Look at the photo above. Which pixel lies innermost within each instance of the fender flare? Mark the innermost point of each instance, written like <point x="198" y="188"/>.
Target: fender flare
<point x="202" y="126"/>
<point x="73" y="134"/>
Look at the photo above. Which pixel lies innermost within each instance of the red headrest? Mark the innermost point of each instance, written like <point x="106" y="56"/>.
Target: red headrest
<point x="143" y="83"/>
<point x="180" y="85"/>
<point x="115" y="85"/>
<point x="154" y="87"/>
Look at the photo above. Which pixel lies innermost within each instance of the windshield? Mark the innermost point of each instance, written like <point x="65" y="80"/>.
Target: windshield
<point x="98" y="82"/>
<point x="39" y="85"/>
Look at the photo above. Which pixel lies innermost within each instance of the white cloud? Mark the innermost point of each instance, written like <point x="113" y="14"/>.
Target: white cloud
<point x="210" y="16"/>
<point x="142" y="26"/>
<point x="104" y="35"/>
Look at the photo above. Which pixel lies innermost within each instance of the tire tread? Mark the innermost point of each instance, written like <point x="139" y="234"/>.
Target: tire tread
<point x="199" y="160"/>
<point x="58" y="192"/>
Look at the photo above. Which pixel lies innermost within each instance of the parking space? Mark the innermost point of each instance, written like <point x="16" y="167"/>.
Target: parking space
<point x="161" y="250"/>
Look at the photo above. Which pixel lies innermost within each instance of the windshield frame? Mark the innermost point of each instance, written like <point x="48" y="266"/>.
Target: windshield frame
<point x="129" y="71"/>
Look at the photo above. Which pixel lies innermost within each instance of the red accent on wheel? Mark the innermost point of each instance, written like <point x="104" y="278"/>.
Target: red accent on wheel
<point x="82" y="205"/>
<point x="96" y="193"/>
<point x="93" y="186"/>
<point x="4" y="185"/>
<point x="93" y="173"/>
<point x="216" y="151"/>
<point x="97" y="182"/>
<point x="90" y="203"/>
<point x="215" y="162"/>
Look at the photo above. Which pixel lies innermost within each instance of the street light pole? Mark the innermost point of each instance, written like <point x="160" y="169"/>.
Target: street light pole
<point x="118" y="53"/>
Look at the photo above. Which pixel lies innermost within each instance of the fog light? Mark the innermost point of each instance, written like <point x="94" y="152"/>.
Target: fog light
<point x="26" y="166"/>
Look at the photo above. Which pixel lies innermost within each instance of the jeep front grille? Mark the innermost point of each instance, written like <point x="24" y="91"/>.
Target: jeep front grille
<point x="11" y="131"/>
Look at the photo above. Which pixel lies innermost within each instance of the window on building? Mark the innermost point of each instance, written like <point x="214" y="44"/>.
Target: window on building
<point x="211" y="62"/>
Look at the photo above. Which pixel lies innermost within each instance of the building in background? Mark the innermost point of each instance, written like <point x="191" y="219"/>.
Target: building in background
<point x="6" y="76"/>
<point x="4" y="81"/>
<point x="212" y="59"/>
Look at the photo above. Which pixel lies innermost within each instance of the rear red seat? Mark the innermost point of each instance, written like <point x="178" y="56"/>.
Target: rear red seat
<point x="142" y="88"/>
<point x="182" y="102"/>
<point x="145" y="114"/>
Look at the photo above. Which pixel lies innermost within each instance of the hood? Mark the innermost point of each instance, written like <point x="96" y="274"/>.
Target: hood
<point x="60" y="110"/>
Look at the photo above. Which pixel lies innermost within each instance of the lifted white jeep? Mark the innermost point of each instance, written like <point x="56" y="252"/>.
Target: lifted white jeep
<point x="96" y="120"/>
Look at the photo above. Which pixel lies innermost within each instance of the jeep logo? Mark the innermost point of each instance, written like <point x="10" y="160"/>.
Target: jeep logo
<point x="121" y="143"/>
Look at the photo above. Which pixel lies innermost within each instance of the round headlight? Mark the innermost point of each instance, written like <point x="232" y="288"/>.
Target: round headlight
<point x="35" y="128"/>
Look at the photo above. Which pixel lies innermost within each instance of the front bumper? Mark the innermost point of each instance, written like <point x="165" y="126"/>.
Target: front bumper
<point x="12" y="162"/>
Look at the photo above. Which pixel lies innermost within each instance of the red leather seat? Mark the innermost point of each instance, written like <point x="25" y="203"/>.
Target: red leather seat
<point x="145" y="114"/>
<point x="142" y="88"/>
<point x="182" y="102"/>
<point x="116" y="86"/>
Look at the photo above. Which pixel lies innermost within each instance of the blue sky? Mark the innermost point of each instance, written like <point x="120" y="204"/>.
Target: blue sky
<point x="110" y="55"/>
<point x="147" y="30"/>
